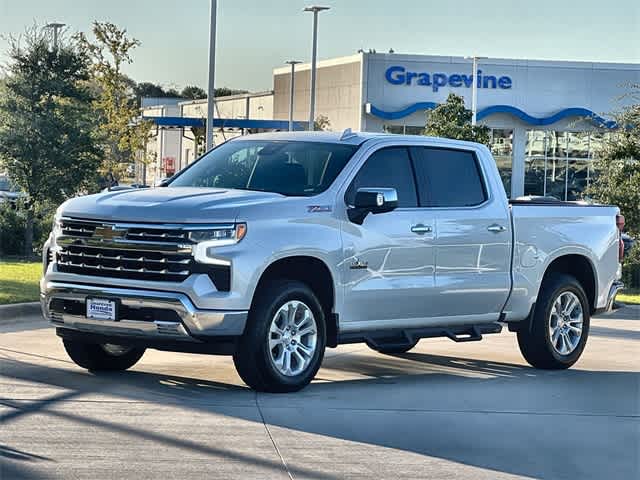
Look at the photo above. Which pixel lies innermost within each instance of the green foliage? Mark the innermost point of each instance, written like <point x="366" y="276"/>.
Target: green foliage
<point x="226" y="91"/>
<point x="618" y="177"/>
<point x="618" y="170"/>
<point x="121" y="135"/>
<point x="321" y="123"/>
<point x="193" y="92"/>
<point x="47" y="128"/>
<point x="452" y="120"/>
<point x="11" y="230"/>
<point x="148" y="89"/>
<point x="13" y="226"/>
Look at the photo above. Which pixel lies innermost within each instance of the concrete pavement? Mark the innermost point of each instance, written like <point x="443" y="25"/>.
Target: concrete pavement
<point x="442" y="411"/>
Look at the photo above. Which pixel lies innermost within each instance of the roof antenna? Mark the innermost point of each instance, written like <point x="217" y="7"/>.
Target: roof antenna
<point x="347" y="134"/>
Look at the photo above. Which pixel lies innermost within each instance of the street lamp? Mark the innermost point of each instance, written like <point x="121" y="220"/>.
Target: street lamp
<point x="315" y="9"/>
<point x="212" y="74"/>
<point x="293" y="64"/>
<point x="55" y="26"/>
<point x="474" y="88"/>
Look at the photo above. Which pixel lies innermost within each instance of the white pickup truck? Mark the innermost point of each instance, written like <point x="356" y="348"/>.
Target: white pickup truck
<point x="272" y="247"/>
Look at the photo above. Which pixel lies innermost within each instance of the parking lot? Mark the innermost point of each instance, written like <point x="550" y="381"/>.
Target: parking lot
<point x="442" y="411"/>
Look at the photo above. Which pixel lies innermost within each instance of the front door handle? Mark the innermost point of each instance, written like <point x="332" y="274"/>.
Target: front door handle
<point x="495" y="228"/>
<point x="420" y="229"/>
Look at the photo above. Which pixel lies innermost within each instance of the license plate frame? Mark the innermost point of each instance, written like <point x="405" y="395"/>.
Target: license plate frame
<point x="101" y="308"/>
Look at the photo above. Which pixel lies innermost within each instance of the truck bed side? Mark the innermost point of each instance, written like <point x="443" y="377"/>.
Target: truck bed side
<point x="543" y="233"/>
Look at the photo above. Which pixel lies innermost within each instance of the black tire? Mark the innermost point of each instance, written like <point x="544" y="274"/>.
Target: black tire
<point x="535" y="345"/>
<point x="393" y="348"/>
<point x="253" y="357"/>
<point x="96" y="358"/>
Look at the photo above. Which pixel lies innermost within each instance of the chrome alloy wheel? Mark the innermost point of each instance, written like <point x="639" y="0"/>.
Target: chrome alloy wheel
<point x="292" y="337"/>
<point x="565" y="323"/>
<point x="115" y="350"/>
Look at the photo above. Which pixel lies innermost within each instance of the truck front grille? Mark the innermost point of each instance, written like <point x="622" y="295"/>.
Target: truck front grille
<point x="140" y="252"/>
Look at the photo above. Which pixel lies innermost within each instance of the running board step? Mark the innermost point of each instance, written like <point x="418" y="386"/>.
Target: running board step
<point x="407" y="336"/>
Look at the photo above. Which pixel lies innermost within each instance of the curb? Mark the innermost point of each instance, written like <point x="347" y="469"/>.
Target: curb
<point x="16" y="312"/>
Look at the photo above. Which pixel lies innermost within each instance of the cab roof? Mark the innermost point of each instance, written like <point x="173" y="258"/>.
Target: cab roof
<point x="349" y="138"/>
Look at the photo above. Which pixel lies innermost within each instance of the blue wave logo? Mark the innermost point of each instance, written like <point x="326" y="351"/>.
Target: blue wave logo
<point x="485" y="112"/>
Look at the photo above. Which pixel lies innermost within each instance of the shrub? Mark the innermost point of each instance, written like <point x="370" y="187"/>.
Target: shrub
<point x="12" y="228"/>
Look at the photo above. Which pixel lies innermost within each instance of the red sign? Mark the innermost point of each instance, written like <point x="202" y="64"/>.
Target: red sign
<point x="169" y="165"/>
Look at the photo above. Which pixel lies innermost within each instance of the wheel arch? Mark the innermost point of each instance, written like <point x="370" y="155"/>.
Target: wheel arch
<point x="580" y="267"/>
<point x="313" y="272"/>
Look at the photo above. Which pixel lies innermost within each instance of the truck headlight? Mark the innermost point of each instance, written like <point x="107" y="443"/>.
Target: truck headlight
<point x="207" y="240"/>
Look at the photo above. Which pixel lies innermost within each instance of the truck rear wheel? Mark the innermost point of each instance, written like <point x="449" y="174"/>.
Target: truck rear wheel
<point x="102" y="357"/>
<point x="284" y="341"/>
<point x="560" y="324"/>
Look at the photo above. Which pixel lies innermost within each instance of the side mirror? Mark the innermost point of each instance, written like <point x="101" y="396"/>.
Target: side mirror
<point x="372" y="200"/>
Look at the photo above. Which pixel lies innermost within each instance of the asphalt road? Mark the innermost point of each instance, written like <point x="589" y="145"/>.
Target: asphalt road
<point x="442" y="411"/>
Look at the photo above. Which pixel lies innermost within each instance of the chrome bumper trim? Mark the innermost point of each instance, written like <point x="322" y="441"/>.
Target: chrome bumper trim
<point x="615" y="288"/>
<point x="194" y="322"/>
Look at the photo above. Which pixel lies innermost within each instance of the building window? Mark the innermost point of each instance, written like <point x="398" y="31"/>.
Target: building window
<point x="404" y="129"/>
<point x="560" y="164"/>
<point x="502" y="150"/>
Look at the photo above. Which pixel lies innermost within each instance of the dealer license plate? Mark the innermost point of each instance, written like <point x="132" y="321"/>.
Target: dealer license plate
<point x="101" y="309"/>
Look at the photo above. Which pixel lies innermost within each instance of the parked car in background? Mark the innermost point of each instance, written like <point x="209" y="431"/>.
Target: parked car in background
<point x="628" y="241"/>
<point x="272" y="247"/>
<point x="8" y="191"/>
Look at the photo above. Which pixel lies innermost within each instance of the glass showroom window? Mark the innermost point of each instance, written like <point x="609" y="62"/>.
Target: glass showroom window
<point x="535" y="162"/>
<point x="560" y="164"/>
<point x="404" y="129"/>
<point x="502" y="150"/>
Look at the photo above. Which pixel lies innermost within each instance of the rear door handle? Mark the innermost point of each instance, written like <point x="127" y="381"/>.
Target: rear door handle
<point x="420" y="229"/>
<point x="495" y="228"/>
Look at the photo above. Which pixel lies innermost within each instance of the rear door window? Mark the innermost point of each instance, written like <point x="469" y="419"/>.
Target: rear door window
<point x="448" y="177"/>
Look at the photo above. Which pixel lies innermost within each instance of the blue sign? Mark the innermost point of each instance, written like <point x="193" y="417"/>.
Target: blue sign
<point x="397" y="75"/>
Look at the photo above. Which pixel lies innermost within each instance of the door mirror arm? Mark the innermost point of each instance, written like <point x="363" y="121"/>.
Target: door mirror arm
<point x="372" y="200"/>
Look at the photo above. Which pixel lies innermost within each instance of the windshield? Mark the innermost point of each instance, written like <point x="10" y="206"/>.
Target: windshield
<point x="289" y="168"/>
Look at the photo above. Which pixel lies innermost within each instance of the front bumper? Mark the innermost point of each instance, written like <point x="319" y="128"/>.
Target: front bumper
<point x="64" y="303"/>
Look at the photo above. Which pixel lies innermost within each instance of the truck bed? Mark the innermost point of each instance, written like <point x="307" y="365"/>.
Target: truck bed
<point x="544" y="230"/>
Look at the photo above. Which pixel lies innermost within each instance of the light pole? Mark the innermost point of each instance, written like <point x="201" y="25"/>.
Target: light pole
<point x="293" y="64"/>
<point x="55" y="26"/>
<point x="474" y="88"/>
<point x="212" y="74"/>
<point x="312" y="106"/>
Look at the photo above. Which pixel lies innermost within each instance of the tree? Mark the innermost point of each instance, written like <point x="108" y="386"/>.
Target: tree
<point x="321" y="123"/>
<point x="617" y="179"/>
<point x="618" y="170"/>
<point x="193" y="92"/>
<point x="226" y="91"/>
<point x="452" y="120"/>
<point x="47" y="127"/>
<point x="122" y="135"/>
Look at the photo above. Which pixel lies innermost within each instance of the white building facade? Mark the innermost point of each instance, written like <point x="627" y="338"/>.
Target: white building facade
<point x="172" y="147"/>
<point x="548" y="119"/>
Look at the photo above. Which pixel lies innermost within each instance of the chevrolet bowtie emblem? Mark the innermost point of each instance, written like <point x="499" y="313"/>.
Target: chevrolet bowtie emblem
<point x="110" y="232"/>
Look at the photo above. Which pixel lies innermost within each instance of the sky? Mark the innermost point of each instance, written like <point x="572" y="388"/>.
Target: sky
<point x="255" y="36"/>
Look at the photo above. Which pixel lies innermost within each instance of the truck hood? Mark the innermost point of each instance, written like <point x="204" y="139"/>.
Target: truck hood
<point x="166" y="205"/>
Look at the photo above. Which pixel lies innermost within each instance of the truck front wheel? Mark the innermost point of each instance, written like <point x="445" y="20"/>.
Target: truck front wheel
<point x="284" y="340"/>
<point x="560" y="324"/>
<point x="102" y="357"/>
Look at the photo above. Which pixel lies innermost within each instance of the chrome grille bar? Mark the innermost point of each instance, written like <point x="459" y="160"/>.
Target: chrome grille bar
<point x="123" y="269"/>
<point x="100" y="256"/>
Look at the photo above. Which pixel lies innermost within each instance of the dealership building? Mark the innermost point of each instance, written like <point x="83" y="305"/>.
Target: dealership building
<point x="548" y="119"/>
